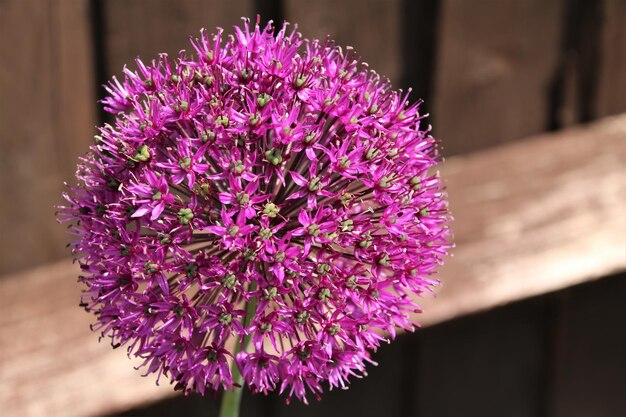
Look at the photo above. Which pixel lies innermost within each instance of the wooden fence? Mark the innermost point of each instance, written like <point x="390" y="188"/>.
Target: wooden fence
<point x="492" y="72"/>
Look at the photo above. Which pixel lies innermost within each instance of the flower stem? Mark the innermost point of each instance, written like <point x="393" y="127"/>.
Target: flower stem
<point x="231" y="400"/>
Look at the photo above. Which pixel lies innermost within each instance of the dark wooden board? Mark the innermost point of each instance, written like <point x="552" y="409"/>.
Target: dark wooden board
<point x="590" y="353"/>
<point x="486" y="365"/>
<point x="372" y="27"/>
<point x="420" y="29"/>
<point x="136" y="28"/>
<point x="612" y="75"/>
<point x="494" y="66"/>
<point x="47" y="118"/>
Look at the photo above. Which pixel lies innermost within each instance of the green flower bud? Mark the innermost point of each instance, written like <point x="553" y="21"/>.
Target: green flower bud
<point x="207" y="135"/>
<point x="185" y="163"/>
<point x="237" y="167"/>
<point x="254" y="119"/>
<point x="303" y="316"/>
<point x="185" y="215"/>
<point x="270" y="210"/>
<point x="385" y="182"/>
<point x="150" y="268"/>
<point x="416" y="183"/>
<point x="229" y="281"/>
<point x="345" y="198"/>
<point x="243" y="198"/>
<point x="265" y="233"/>
<point x="222" y="120"/>
<point x="142" y="154"/>
<point x="314" y="229"/>
<point x="334" y="329"/>
<point x="347" y="225"/>
<point x="309" y="137"/>
<point x="263" y="99"/>
<point x="300" y="80"/>
<point x="315" y="184"/>
<point x="366" y="243"/>
<point x="351" y="282"/>
<point x="225" y="319"/>
<point x="274" y="157"/>
<point x="324" y="294"/>
<point x="371" y="154"/>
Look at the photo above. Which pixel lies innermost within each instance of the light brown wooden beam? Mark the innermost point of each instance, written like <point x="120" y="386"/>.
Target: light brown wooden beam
<point x="532" y="217"/>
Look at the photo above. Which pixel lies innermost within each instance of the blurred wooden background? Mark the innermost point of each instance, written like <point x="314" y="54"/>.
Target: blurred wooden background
<point x="491" y="72"/>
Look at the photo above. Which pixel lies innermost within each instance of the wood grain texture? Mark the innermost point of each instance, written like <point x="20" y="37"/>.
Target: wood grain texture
<point x="494" y="66"/>
<point x="372" y="27"/>
<point x="534" y="216"/>
<point x="47" y="118"/>
<point x="612" y="76"/>
<point x="136" y="28"/>
<point x="51" y="364"/>
<point x="531" y="217"/>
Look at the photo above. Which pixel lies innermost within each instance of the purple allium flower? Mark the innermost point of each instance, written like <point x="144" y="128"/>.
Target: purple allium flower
<point x="268" y="202"/>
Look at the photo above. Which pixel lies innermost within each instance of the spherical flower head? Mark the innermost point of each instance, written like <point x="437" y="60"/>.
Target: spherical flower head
<point x="267" y="204"/>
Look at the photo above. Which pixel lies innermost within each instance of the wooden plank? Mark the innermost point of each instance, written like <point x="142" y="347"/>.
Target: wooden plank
<point x="589" y="361"/>
<point x="372" y="27"/>
<point x="573" y="87"/>
<point x="612" y="77"/>
<point x="47" y="118"/>
<point x="493" y="70"/>
<point x="420" y="26"/>
<point x="165" y="26"/>
<point x="486" y="365"/>
<point x="46" y="347"/>
<point x="532" y="217"/>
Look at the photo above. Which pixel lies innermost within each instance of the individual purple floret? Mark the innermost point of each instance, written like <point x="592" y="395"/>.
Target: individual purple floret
<point x="266" y="207"/>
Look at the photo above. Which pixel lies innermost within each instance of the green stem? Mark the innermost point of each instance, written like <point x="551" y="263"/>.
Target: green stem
<point x="231" y="401"/>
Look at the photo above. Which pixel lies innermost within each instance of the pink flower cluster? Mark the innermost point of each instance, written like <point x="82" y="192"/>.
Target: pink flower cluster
<point x="267" y="205"/>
